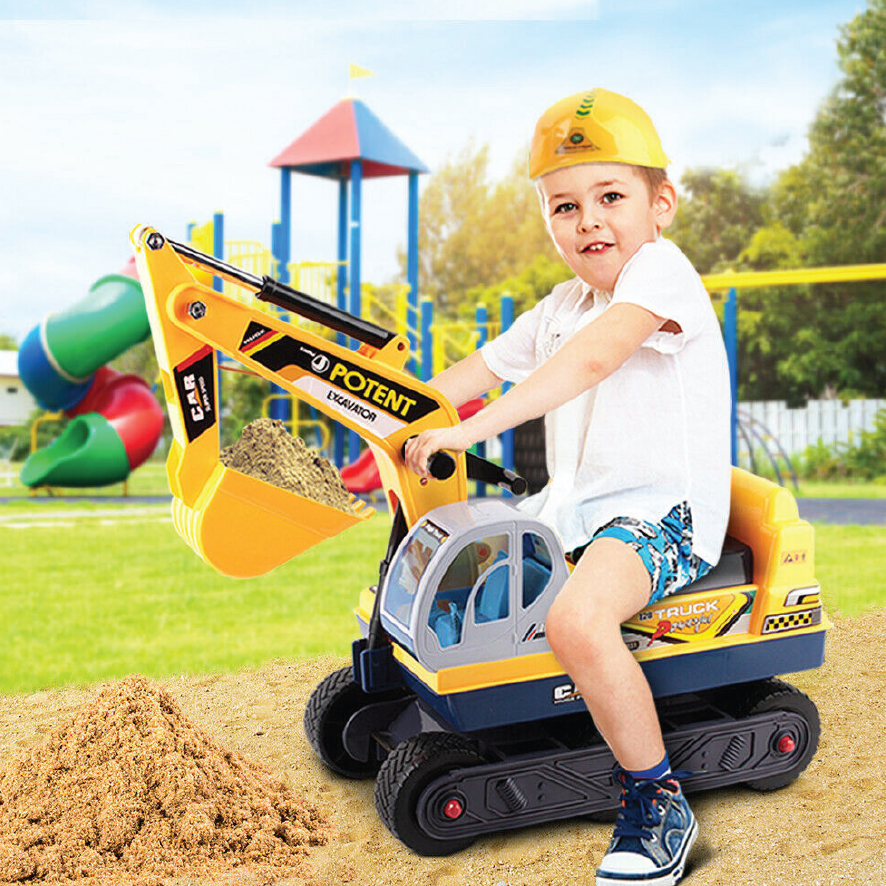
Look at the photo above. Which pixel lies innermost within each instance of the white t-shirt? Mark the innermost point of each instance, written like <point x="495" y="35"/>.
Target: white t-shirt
<point x="652" y="434"/>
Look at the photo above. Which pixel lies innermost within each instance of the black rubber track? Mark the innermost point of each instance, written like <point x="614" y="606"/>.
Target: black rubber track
<point x="776" y="695"/>
<point x="331" y="705"/>
<point x="404" y="775"/>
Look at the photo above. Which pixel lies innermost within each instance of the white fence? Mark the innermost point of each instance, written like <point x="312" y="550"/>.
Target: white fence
<point x="795" y="429"/>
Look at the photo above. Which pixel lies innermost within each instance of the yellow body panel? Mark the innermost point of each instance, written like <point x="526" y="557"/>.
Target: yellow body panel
<point x="763" y="516"/>
<point x="521" y="669"/>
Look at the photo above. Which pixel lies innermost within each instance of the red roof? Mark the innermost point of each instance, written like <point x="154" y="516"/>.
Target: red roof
<point x="348" y="131"/>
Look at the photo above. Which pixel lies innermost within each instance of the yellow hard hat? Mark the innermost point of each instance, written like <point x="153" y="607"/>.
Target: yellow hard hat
<point x="596" y="126"/>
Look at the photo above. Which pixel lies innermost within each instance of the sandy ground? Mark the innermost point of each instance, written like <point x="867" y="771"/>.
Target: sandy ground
<point x="828" y="827"/>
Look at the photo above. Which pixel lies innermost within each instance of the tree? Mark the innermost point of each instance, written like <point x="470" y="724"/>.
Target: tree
<point x="475" y="233"/>
<point x="830" y="209"/>
<point x="7" y="342"/>
<point x="139" y="360"/>
<point x="846" y="224"/>
<point x="716" y="217"/>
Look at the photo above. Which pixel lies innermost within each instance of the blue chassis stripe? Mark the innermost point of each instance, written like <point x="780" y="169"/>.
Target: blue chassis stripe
<point x="533" y="700"/>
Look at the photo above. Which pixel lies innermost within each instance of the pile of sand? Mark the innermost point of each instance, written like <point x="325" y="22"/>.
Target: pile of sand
<point x="268" y="451"/>
<point x="129" y="790"/>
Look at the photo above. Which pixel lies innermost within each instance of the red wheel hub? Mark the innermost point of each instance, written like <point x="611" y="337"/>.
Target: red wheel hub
<point x="453" y="808"/>
<point x="786" y="744"/>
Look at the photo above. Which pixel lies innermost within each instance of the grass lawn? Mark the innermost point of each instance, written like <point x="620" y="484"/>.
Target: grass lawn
<point x="149" y="479"/>
<point x="92" y="597"/>
<point x="97" y="593"/>
<point x="833" y="489"/>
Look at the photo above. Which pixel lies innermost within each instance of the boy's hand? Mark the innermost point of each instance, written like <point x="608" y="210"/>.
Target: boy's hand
<point x="419" y="449"/>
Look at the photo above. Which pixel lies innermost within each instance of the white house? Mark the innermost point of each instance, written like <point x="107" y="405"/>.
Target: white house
<point x="16" y="403"/>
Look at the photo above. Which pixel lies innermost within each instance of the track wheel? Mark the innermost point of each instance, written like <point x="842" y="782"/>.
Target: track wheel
<point x="403" y="777"/>
<point x="332" y="703"/>
<point x="796" y="744"/>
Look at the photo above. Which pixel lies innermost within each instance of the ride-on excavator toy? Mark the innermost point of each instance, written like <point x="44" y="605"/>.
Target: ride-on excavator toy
<point x="454" y="701"/>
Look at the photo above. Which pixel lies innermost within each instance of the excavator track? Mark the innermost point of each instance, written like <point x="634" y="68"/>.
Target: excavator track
<point x="513" y="790"/>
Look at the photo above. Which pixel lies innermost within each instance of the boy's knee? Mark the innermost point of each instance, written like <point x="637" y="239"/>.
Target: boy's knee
<point x="571" y="627"/>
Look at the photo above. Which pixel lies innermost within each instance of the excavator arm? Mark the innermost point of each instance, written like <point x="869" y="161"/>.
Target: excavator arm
<point x="241" y="525"/>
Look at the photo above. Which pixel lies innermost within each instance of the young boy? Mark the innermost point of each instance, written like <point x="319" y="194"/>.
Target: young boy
<point x="627" y="363"/>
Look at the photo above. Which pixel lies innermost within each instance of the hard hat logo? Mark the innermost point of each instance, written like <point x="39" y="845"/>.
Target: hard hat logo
<point x="576" y="141"/>
<point x="594" y="127"/>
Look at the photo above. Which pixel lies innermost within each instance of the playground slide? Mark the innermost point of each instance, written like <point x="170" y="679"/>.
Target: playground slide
<point x="361" y="477"/>
<point x="115" y="420"/>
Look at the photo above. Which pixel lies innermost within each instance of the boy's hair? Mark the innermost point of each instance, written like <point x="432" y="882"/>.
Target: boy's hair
<point x="653" y="176"/>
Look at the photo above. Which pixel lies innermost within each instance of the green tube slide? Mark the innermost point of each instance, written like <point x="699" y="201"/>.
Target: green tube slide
<point x="89" y="452"/>
<point x="96" y="329"/>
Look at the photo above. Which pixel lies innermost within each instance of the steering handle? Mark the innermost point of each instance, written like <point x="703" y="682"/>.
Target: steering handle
<point x="441" y="465"/>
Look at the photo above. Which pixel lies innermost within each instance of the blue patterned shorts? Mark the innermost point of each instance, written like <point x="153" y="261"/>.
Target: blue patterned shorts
<point x="665" y="549"/>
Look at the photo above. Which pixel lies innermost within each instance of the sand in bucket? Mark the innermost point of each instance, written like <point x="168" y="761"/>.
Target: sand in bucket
<point x="268" y="451"/>
<point x="268" y="499"/>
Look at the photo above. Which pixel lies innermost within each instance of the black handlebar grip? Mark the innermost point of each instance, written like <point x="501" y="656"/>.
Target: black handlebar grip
<point x="441" y="465"/>
<point x="516" y="483"/>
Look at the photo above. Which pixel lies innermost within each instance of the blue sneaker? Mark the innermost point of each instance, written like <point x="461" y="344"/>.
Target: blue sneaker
<point x="653" y="834"/>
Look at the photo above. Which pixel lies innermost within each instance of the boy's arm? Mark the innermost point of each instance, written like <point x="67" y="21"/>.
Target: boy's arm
<point x="465" y="380"/>
<point x="583" y="361"/>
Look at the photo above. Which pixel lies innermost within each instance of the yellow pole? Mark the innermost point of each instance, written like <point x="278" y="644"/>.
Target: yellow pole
<point x="756" y="279"/>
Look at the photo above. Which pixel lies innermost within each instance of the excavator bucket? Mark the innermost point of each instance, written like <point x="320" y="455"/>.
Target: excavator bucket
<point x="243" y="526"/>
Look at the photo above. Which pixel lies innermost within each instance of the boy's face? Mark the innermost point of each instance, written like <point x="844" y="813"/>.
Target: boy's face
<point x="600" y="214"/>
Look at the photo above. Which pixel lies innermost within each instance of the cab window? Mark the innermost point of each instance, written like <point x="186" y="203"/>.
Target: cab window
<point x="447" y="615"/>
<point x="408" y="570"/>
<point x="537" y="567"/>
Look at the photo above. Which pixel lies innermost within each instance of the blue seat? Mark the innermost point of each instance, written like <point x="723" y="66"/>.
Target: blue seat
<point x="492" y="598"/>
<point x="447" y="626"/>
<point x="535" y="579"/>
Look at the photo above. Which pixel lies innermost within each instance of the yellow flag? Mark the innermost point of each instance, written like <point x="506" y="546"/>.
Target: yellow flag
<point x="355" y="72"/>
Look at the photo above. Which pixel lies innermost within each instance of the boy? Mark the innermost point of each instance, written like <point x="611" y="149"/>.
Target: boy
<point x="627" y="363"/>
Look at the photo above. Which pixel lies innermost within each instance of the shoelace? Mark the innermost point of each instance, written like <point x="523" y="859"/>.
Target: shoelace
<point x="639" y="813"/>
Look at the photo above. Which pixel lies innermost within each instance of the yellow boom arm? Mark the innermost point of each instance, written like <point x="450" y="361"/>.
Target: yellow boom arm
<point x="241" y="525"/>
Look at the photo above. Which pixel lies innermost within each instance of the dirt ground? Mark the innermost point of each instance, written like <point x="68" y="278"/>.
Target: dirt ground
<point x="828" y="827"/>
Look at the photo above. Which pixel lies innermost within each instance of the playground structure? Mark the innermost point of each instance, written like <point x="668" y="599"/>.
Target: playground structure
<point x="115" y="421"/>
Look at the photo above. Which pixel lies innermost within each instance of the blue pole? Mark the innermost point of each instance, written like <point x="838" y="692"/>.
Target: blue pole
<point x="355" y="309"/>
<point x="341" y="298"/>
<point x="507" y="438"/>
<point x="482" y="335"/>
<point x="427" y="342"/>
<point x="730" y="335"/>
<point x="412" y="267"/>
<point x="218" y="250"/>
<point x="218" y="246"/>
<point x="280" y="245"/>
<point x="283" y="240"/>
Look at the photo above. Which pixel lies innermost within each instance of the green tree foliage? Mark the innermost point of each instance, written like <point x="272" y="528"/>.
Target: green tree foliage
<point x="139" y="360"/>
<point x="830" y="209"/>
<point x="716" y="216"/>
<point x="527" y="288"/>
<point x="243" y="397"/>
<point x="474" y="232"/>
<point x="7" y="342"/>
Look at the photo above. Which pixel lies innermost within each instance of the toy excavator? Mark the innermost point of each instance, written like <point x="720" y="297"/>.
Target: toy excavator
<point x="454" y="701"/>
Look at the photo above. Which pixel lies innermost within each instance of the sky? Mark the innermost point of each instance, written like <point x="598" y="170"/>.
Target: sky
<point x="116" y="114"/>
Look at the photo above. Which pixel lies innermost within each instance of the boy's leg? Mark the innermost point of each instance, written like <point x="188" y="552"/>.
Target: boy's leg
<point x="608" y="586"/>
